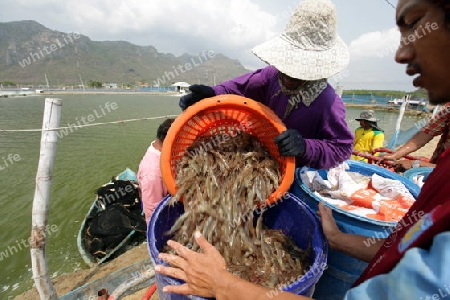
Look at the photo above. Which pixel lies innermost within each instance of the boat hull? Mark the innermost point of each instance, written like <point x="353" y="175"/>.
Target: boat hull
<point x="94" y="210"/>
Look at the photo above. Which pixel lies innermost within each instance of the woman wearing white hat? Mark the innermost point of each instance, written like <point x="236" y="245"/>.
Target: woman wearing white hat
<point x="413" y="262"/>
<point x="295" y="87"/>
<point x="369" y="136"/>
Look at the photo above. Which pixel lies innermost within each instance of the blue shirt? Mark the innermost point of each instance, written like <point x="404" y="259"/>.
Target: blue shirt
<point x="420" y="274"/>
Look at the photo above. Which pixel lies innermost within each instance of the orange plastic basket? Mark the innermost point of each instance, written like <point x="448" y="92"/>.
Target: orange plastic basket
<point x="225" y="114"/>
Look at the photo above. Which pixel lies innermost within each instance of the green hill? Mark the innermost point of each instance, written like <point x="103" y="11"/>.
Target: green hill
<point x="28" y="51"/>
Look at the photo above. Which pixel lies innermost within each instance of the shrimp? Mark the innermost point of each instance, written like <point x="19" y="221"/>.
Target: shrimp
<point x="220" y="187"/>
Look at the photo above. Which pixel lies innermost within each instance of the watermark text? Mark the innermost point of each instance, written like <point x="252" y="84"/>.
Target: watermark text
<point x="25" y="243"/>
<point x="86" y="120"/>
<point x="47" y="50"/>
<point x="9" y="161"/>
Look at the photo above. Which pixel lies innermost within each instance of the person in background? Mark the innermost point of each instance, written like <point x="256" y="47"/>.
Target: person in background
<point x="151" y="185"/>
<point x="437" y="125"/>
<point x="369" y="136"/>
<point x="295" y="87"/>
<point x="413" y="262"/>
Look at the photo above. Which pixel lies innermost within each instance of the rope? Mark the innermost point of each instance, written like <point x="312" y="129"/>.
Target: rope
<point x="390" y="4"/>
<point x="87" y="125"/>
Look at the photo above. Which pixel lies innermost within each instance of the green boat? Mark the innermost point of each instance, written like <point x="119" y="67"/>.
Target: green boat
<point x="115" y="221"/>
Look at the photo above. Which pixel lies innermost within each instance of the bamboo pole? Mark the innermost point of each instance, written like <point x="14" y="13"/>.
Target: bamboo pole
<point x="49" y="138"/>
<point x="393" y="141"/>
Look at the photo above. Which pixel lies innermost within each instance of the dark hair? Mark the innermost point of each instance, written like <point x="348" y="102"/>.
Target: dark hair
<point x="163" y="129"/>
<point x="374" y="125"/>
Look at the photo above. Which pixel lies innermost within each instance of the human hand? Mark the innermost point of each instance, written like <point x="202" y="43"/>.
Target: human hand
<point x="290" y="143"/>
<point x="390" y="156"/>
<point x="329" y="226"/>
<point x="201" y="272"/>
<point x="403" y="165"/>
<point x="198" y="92"/>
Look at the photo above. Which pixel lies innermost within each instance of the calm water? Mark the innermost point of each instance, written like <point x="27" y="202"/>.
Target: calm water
<point x="85" y="159"/>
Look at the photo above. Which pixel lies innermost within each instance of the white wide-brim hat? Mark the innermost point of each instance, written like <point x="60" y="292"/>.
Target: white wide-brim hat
<point x="367" y="115"/>
<point x="309" y="48"/>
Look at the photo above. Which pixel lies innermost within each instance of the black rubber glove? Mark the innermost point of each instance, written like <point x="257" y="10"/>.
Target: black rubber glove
<point x="198" y="92"/>
<point x="290" y="143"/>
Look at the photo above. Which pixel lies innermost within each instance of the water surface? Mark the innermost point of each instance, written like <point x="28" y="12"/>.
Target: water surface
<point x="85" y="159"/>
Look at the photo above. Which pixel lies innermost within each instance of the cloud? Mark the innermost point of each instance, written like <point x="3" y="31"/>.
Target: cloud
<point x="372" y="64"/>
<point x="228" y="24"/>
<point x="172" y="26"/>
<point x="378" y="44"/>
<point x="231" y="27"/>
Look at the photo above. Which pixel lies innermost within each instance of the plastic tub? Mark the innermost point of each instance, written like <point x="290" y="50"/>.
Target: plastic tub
<point x="288" y="214"/>
<point x="424" y="171"/>
<point x="343" y="270"/>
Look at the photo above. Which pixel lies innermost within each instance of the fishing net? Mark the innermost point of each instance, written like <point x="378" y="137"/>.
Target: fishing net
<point x="118" y="214"/>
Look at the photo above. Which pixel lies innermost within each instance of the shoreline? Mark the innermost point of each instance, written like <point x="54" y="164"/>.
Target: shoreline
<point x="14" y="94"/>
<point x="120" y="92"/>
<point x="408" y="112"/>
<point x="382" y="107"/>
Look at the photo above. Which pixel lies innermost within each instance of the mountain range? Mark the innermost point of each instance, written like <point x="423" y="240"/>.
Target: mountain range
<point x="29" y="52"/>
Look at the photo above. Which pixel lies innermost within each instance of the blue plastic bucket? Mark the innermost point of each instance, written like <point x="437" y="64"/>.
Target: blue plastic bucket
<point x="288" y="214"/>
<point x="424" y="171"/>
<point x="343" y="270"/>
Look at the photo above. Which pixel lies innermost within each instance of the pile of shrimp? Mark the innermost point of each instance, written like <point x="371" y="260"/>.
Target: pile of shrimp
<point x="220" y="185"/>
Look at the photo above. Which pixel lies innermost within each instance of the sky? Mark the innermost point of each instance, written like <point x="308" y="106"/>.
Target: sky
<point x="230" y="27"/>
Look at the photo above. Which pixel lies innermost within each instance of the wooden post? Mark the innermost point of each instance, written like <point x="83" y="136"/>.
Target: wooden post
<point x="49" y="139"/>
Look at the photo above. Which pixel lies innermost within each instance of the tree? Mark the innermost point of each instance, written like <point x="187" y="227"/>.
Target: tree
<point x="7" y="83"/>
<point x="95" y="84"/>
<point x="421" y="93"/>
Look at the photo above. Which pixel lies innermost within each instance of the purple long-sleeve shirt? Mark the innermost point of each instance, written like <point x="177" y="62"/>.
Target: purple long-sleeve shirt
<point x="328" y="139"/>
